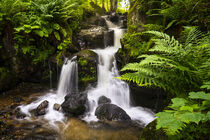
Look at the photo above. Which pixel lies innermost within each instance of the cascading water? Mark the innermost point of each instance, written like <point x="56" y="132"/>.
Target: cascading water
<point x="68" y="83"/>
<point x="115" y="89"/>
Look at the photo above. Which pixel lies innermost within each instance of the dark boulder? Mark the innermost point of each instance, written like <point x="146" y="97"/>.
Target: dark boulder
<point x="56" y="107"/>
<point x="103" y="100"/>
<point x="74" y="104"/>
<point x="19" y="114"/>
<point x="114" y="17"/>
<point x="91" y="38"/>
<point x="42" y="108"/>
<point x="111" y="112"/>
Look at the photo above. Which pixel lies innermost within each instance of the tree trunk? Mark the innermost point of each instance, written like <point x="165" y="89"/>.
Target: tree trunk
<point x="115" y="5"/>
<point x="111" y="5"/>
<point x="103" y="5"/>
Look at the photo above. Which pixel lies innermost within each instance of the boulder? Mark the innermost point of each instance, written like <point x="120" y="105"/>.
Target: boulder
<point x="74" y="104"/>
<point x="56" y="107"/>
<point x="103" y="100"/>
<point x="87" y="68"/>
<point x="19" y="113"/>
<point x="114" y="17"/>
<point x="42" y="108"/>
<point x="111" y="112"/>
<point x="91" y="38"/>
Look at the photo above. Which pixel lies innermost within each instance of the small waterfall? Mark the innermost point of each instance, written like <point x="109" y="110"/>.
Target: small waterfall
<point x="115" y="89"/>
<point x="68" y="83"/>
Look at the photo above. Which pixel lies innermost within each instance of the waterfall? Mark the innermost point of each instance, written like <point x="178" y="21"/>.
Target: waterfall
<point x="113" y="88"/>
<point x="68" y="83"/>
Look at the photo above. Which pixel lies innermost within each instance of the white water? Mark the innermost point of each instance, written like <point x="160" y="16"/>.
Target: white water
<point x="67" y="83"/>
<point x="108" y="85"/>
<point x="115" y="89"/>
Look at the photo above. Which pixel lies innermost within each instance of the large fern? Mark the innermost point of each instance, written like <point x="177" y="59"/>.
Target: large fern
<point x="169" y="65"/>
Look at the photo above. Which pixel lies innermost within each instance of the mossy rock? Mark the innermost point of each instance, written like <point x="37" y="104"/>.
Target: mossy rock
<point x="151" y="133"/>
<point x="87" y="68"/>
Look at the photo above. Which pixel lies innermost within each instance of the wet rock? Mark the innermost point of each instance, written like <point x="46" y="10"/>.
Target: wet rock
<point x="109" y="38"/>
<point x="42" y="108"/>
<point x="114" y="17"/>
<point x="100" y="22"/>
<point x="111" y="112"/>
<point x="87" y="68"/>
<point x="13" y="106"/>
<point x="91" y="38"/>
<point x="19" y="114"/>
<point x="74" y="104"/>
<point x="56" y="107"/>
<point x="103" y="100"/>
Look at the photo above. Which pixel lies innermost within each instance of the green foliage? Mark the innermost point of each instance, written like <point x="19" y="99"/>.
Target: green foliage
<point x="82" y="62"/>
<point x="185" y="112"/>
<point x="171" y="65"/>
<point x="41" y="26"/>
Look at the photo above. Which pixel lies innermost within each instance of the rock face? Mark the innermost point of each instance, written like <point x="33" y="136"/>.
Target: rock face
<point x="19" y="114"/>
<point x="111" y="112"/>
<point x="91" y="38"/>
<point x="74" y="104"/>
<point x="42" y="108"/>
<point x="87" y="68"/>
<point x="103" y="100"/>
<point x="109" y="38"/>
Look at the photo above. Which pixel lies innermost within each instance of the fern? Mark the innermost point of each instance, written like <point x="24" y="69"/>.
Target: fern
<point x="170" y="64"/>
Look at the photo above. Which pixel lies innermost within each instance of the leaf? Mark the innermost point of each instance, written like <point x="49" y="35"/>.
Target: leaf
<point x="208" y="115"/>
<point x="206" y="85"/>
<point x="192" y="117"/>
<point x="170" y="24"/>
<point x="56" y="26"/>
<point x="18" y="29"/>
<point x="168" y="122"/>
<point x="178" y="102"/>
<point x="39" y="33"/>
<point x="63" y="31"/>
<point x="35" y="27"/>
<point x="57" y="36"/>
<point x="199" y="95"/>
<point x="187" y="108"/>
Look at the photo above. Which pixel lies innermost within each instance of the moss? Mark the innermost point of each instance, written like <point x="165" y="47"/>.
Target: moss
<point x="87" y="66"/>
<point x="82" y="62"/>
<point x="88" y="79"/>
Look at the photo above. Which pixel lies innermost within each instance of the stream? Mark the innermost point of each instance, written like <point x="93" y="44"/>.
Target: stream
<point x="55" y="125"/>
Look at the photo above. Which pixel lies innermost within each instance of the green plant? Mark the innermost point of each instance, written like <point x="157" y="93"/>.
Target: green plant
<point x="169" y="64"/>
<point x="184" y="112"/>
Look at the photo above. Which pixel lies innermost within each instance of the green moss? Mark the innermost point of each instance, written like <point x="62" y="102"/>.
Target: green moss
<point x="88" y="79"/>
<point x="82" y="62"/>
